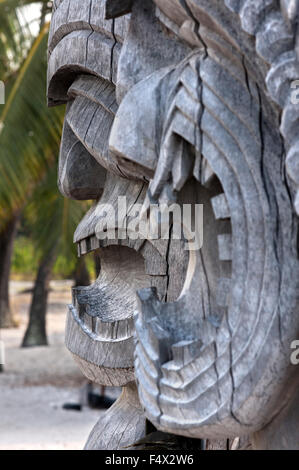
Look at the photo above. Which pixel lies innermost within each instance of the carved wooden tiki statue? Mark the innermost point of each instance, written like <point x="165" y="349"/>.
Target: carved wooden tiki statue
<point x="189" y="102"/>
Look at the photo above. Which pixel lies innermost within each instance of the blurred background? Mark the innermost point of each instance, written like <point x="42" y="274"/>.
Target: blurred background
<point x="38" y="260"/>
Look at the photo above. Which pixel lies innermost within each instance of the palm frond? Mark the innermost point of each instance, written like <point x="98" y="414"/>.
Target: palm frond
<point x="51" y="218"/>
<point x="16" y="35"/>
<point x="30" y="131"/>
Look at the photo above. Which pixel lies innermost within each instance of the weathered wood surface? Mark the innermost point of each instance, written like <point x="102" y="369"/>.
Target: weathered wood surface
<point x="222" y="400"/>
<point x="188" y="102"/>
<point x="81" y="40"/>
<point x="122" y="425"/>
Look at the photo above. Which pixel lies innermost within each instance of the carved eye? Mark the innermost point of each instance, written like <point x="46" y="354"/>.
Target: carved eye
<point x="84" y="49"/>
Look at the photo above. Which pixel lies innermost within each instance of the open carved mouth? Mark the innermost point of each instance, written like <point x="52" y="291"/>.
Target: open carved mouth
<point x="201" y="344"/>
<point x="104" y="312"/>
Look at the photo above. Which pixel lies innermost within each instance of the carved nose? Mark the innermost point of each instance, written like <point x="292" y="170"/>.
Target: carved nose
<point x="80" y="176"/>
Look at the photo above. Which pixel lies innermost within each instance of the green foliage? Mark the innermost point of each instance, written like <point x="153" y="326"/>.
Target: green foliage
<point x="31" y="132"/>
<point x="25" y="262"/>
<point x="30" y="135"/>
<point x="51" y="220"/>
<point x="15" y="38"/>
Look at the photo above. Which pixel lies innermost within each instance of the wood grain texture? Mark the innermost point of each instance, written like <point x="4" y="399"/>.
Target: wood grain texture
<point x="122" y="425"/>
<point x="81" y="40"/>
<point x="187" y="102"/>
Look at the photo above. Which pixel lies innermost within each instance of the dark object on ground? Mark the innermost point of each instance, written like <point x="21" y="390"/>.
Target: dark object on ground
<point x="72" y="407"/>
<point x="98" y="402"/>
<point x="160" y="441"/>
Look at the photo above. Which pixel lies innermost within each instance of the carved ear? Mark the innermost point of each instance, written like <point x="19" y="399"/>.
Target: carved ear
<point x="116" y="8"/>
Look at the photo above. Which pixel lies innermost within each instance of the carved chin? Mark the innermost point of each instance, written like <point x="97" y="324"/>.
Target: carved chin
<point x="100" y="328"/>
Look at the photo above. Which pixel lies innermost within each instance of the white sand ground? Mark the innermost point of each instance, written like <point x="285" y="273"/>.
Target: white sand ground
<point x="37" y="381"/>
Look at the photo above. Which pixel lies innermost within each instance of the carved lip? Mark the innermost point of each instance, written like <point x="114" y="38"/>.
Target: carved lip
<point x="101" y="315"/>
<point x="103" y="312"/>
<point x="97" y="330"/>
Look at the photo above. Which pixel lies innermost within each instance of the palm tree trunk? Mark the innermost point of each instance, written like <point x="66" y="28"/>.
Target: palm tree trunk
<point x="7" y="238"/>
<point x="81" y="274"/>
<point x="97" y="263"/>
<point x="36" y="331"/>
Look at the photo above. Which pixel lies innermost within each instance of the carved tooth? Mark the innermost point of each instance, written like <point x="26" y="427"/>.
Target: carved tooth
<point x="106" y="330"/>
<point x="185" y="351"/>
<point x="143" y="340"/>
<point x="223" y="291"/>
<point x="148" y="381"/>
<point x="94" y="325"/>
<point x="83" y="247"/>
<point x="206" y="172"/>
<point x="225" y="247"/>
<point x="220" y="207"/>
<point x="160" y="341"/>
<point x="95" y="243"/>
<point x="147" y="362"/>
<point x="98" y="326"/>
<point x="130" y="327"/>
<point x="182" y="166"/>
<point x="147" y="396"/>
<point x="88" y="244"/>
<point x="88" y="321"/>
<point x="122" y="329"/>
<point x="81" y="312"/>
<point x="155" y="340"/>
<point x="73" y="297"/>
<point x="148" y="303"/>
<point x="182" y="126"/>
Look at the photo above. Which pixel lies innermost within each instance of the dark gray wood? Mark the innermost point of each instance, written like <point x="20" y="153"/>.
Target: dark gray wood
<point x="188" y="102"/>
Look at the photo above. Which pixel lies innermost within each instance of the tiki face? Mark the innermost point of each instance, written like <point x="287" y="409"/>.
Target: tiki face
<point x="93" y="84"/>
<point x="178" y="102"/>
